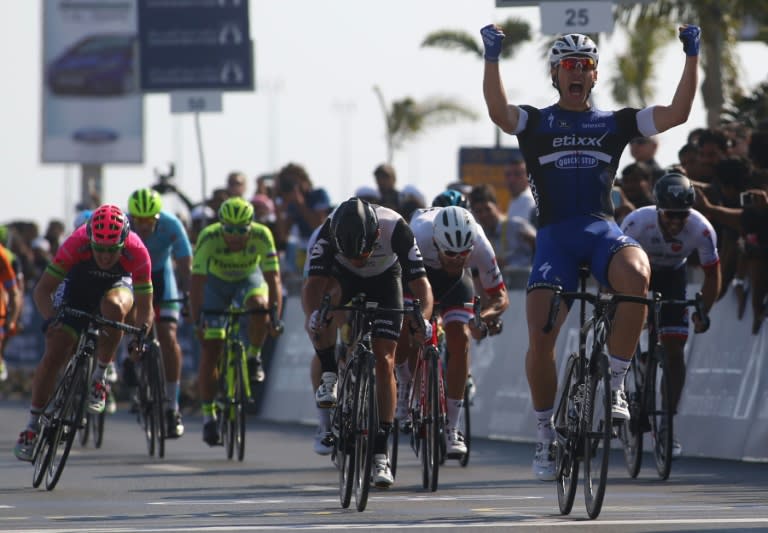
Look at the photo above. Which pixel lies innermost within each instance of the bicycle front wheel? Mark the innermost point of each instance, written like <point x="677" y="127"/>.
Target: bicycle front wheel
<point x="97" y="421"/>
<point x="465" y="426"/>
<point x="367" y="426"/>
<point x="156" y="382"/>
<point x="631" y="432"/>
<point x="345" y="424"/>
<point x="42" y="454"/>
<point x="238" y="408"/>
<point x="430" y="457"/>
<point x="69" y="419"/>
<point x="597" y="437"/>
<point x="566" y="436"/>
<point x="660" y="413"/>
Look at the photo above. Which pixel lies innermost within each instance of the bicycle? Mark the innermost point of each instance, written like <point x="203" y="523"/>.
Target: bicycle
<point x="647" y="393"/>
<point x="62" y="416"/>
<point x="355" y="419"/>
<point x="234" y="386"/>
<point x="583" y="424"/>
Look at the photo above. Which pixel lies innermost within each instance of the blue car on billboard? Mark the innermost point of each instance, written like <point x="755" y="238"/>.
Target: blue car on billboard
<point x="101" y="64"/>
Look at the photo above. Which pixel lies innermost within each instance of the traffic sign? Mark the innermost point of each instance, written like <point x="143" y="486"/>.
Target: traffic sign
<point x="195" y="44"/>
<point x="196" y="102"/>
<point x="576" y="17"/>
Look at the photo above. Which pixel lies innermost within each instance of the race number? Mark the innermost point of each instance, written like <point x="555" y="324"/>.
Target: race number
<point x="576" y="17"/>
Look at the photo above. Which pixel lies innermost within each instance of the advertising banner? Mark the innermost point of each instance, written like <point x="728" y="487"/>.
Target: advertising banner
<point x="92" y="108"/>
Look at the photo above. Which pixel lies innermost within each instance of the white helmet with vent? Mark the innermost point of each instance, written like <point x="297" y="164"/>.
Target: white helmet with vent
<point x="572" y="44"/>
<point x="454" y="229"/>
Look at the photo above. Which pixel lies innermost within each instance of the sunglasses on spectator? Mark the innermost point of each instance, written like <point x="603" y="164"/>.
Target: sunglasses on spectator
<point x="451" y="253"/>
<point x="101" y="249"/>
<point x="235" y="230"/>
<point x="570" y="63"/>
<point x="677" y="215"/>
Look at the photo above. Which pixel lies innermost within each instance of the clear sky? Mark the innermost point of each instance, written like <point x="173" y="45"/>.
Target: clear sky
<point x="316" y="65"/>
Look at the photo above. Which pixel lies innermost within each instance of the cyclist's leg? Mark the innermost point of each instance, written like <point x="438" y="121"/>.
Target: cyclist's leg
<point x="165" y="288"/>
<point x="405" y="365"/>
<point x="620" y="263"/>
<point x="256" y="296"/>
<point x="324" y="341"/>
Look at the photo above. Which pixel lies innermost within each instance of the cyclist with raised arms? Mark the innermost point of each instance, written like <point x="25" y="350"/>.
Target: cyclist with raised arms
<point x="364" y="248"/>
<point x="670" y="232"/>
<point x="572" y="152"/>
<point x="102" y="267"/>
<point x="164" y="236"/>
<point x="235" y="261"/>
<point x="452" y="243"/>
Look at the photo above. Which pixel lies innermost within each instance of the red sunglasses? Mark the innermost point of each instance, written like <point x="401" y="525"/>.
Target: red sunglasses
<point x="570" y="63"/>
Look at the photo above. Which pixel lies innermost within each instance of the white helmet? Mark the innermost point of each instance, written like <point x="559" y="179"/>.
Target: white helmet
<point x="572" y="44"/>
<point x="454" y="229"/>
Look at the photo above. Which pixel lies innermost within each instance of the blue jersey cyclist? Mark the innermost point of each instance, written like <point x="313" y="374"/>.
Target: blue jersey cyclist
<point x="572" y="151"/>
<point x="166" y="240"/>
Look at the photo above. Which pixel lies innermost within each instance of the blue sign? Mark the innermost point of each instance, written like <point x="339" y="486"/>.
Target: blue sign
<point x="195" y="44"/>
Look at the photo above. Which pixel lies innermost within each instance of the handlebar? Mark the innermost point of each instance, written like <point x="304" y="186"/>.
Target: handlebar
<point x="600" y="298"/>
<point x="237" y="312"/>
<point x="697" y="302"/>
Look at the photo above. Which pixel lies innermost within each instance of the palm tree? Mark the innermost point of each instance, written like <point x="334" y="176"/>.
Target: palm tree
<point x="406" y="118"/>
<point x="516" y="31"/>
<point x="719" y="21"/>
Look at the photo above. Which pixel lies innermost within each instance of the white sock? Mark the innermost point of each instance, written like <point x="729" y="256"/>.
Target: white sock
<point x="545" y="430"/>
<point x="619" y="369"/>
<point x="324" y="419"/>
<point x="454" y="411"/>
<point x="172" y="394"/>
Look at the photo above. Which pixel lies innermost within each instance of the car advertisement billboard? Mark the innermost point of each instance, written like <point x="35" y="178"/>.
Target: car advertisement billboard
<point x="92" y="106"/>
<point x="486" y="165"/>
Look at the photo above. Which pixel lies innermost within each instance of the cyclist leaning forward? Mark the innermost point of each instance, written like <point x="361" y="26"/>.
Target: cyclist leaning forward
<point x="370" y="249"/>
<point x="670" y="232"/>
<point x="452" y="244"/>
<point x="164" y="236"/>
<point x="102" y="267"/>
<point x="235" y="263"/>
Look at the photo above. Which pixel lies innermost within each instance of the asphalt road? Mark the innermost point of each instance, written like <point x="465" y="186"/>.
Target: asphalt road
<point x="283" y="485"/>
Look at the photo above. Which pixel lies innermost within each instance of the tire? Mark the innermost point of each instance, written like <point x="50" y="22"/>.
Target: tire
<point x="630" y="432"/>
<point x="466" y="428"/>
<point x="239" y="406"/>
<point x="156" y="382"/>
<point x="85" y="431"/>
<point x="567" y="420"/>
<point x="97" y="421"/>
<point x="597" y="435"/>
<point x="430" y="457"/>
<point x="367" y="425"/>
<point x="69" y="419"/>
<point x="394" y="445"/>
<point x="344" y="443"/>
<point x="660" y="413"/>
<point x="42" y="455"/>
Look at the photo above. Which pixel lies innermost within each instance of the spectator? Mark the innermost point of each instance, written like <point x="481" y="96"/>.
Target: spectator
<point x="53" y="234"/>
<point x="201" y="216"/>
<point x="236" y="184"/>
<point x="41" y="256"/>
<point x="713" y="147"/>
<point x="636" y="183"/>
<point x="521" y="201"/>
<point x="264" y="211"/>
<point x="265" y="184"/>
<point x="368" y="193"/>
<point x="385" y="180"/>
<point x="643" y="150"/>
<point x="411" y="199"/>
<point x="688" y="156"/>
<point x="512" y="239"/>
<point x="300" y="208"/>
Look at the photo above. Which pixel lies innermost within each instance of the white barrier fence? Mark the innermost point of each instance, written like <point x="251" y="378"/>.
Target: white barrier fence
<point x="723" y="412"/>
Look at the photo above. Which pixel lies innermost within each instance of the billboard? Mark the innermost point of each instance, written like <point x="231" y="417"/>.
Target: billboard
<point x="92" y="106"/>
<point x="486" y="165"/>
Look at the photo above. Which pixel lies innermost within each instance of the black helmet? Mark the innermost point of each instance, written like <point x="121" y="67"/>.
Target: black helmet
<point x="674" y="191"/>
<point x="354" y="227"/>
<point x="450" y="197"/>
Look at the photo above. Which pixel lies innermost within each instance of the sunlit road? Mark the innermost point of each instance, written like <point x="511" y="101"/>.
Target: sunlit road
<point x="282" y="484"/>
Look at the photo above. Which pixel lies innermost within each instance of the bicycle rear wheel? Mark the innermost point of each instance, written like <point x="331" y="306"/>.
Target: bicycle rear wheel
<point x="465" y="426"/>
<point x="146" y="411"/>
<point x="85" y="431"/>
<point x="660" y="413"/>
<point x="631" y="432"/>
<point x="345" y="423"/>
<point x="394" y="443"/>
<point x="566" y="437"/>
<point x="430" y="455"/>
<point x="367" y="426"/>
<point x="42" y="454"/>
<point x="69" y="419"/>
<point x="597" y="437"/>
<point x="97" y="422"/>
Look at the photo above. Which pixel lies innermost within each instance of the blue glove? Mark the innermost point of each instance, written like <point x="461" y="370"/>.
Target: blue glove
<point x="492" y="37"/>
<point x="690" y="37"/>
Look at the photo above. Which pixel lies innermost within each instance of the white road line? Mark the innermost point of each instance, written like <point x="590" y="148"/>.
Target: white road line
<point x="174" y="468"/>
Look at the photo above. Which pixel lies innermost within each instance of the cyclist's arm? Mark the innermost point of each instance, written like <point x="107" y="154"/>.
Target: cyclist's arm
<point x="183" y="269"/>
<point x="43" y="294"/>
<point x="14" y="303"/>
<point x="666" y="117"/>
<point x="504" y="115"/>
<point x="421" y="289"/>
<point x="275" y="289"/>
<point x="144" y="312"/>
<point x="711" y="286"/>
<point x="497" y="303"/>
<point x="196" y="287"/>
<point x="312" y="292"/>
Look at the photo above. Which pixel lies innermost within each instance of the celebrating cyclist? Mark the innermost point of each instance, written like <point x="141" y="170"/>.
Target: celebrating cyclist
<point x="102" y="267"/>
<point x="670" y="232"/>
<point x="364" y="248"/>
<point x="164" y="236"/>
<point x="572" y="151"/>
<point x="235" y="262"/>
<point x="452" y="243"/>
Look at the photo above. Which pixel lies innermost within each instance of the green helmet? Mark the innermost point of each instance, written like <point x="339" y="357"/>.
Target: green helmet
<point x="145" y="203"/>
<point x="4" y="235"/>
<point x="236" y="212"/>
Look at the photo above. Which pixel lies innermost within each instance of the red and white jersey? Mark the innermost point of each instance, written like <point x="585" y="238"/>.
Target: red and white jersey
<point x="481" y="259"/>
<point x="672" y="252"/>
